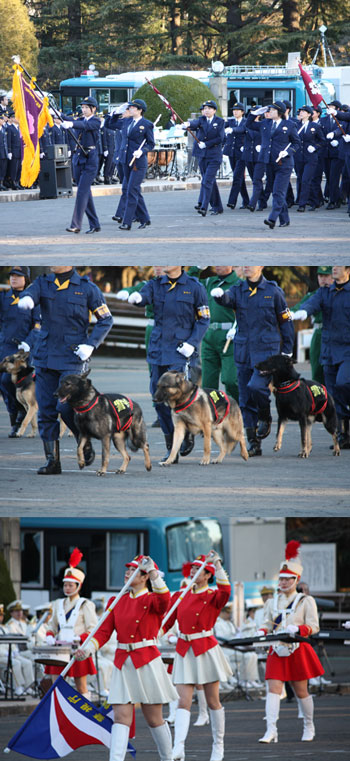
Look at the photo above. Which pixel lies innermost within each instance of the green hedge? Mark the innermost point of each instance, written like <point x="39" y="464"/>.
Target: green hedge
<point x="7" y="592"/>
<point x="184" y="93"/>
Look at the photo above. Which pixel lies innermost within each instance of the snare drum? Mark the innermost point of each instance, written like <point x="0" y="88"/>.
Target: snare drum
<point x="52" y="655"/>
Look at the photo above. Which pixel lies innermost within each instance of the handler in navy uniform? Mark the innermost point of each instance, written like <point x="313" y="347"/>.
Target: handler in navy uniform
<point x="265" y="328"/>
<point x="181" y="317"/>
<point x="63" y="347"/>
<point x="14" y="151"/>
<point x="279" y="142"/>
<point x="235" y="129"/>
<point x="85" y="167"/>
<point x="306" y="159"/>
<point x="3" y="151"/>
<point x="210" y="130"/>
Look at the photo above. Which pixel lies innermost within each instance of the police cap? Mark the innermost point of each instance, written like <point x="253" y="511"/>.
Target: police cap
<point x="309" y="109"/>
<point x="24" y="271"/>
<point x="287" y="104"/>
<point x="89" y="101"/>
<point x="324" y="270"/>
<point x="210" y="104"/>
<point x="318" y="109"/>
<point x="279" y="105"/>
<point x="335" y="103"/>
<point x="139" y="103"/>
<point x="238" y="106"/>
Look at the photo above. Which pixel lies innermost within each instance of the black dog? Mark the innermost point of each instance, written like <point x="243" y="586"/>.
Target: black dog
<point x="301" y="400"/>
<point x="104" y="417"/>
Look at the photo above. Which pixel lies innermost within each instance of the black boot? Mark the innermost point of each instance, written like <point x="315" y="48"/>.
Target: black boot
<point x="255" y="447"/>
<point x="187" y="444"/>
<point x="52" y="466"/>
<point x="14" y="424"/>
<point x="343" y="435"/>
<point x="264" y="423"/>
<point x="169" y="443"/>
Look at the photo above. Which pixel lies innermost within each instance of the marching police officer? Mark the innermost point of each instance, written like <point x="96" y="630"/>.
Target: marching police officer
<point x="14" y="151"/>
<point x="18" y="331"/>
<point x="211" y="135"/>
<point x="181" y="317"/>
<point x="333" y="163"/>
<point x="235" y="129"/>
<point x="265" y="328"/>
<point x="344" y="139"/>
<point x="63" y="347"/>
<point x="312" y="140"/>
<point x="3" y="151"/>
<point x="85" y="165"/>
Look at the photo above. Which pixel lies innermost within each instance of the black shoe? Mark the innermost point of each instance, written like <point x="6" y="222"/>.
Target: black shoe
<point x="290" y="204"/>
<point x="244" y="206"/>
<point x="284" y="224"/>
<point x="155" y="424"/>
<point x="264" y="426"/>
<point x="215" y="213"/>
<point x="313" y="208"/>
<point x="143" y="225"/>
<point x="262" y="208"/>
<point x="52" y="466"/>
<point x="254" y="450"/>
<point x="93" y="230"/>
<point x="15" y="426"/>
<point x="269" y="223"/>
<point x="169" y="443"/>
<point x="251" y="208"/>
<point x="330" y="206"/>
<point x="301" y="208"/>
<point x="203" y="212"/>
<point x="231" y="205"/>
<point x="187" y="444"/>
<point x="73" y="229"/>
<point x="117" y="219"/>
<point x="124" y="227"/>
<point x="89" y="453"/>
<point x="197" y="206"/>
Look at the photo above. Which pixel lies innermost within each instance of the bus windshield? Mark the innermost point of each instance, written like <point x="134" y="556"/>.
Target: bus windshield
<point x="195" y="537"/>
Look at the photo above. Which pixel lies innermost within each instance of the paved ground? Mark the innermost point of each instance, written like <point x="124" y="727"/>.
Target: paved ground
<point x="244" y="725"/>
<point x="35" y="230"/>
<point x="274" y="484"/>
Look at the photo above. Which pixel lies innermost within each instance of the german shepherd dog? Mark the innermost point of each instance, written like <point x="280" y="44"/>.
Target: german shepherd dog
<point x="201" y="411"/>
<point x="104" y="417"/>
<point x="22" y="376"/>
<point x="301" y="400"/>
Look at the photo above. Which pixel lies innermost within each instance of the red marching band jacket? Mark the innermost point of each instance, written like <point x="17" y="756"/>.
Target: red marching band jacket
<point x="198" y="612"/>
<point x="134" y="619"/>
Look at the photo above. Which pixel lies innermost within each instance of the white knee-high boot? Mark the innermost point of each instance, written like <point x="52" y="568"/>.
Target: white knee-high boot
<point x="272" y="713"/>
<point x="307" y="707"/>
<point x="217" y="720"/>
<point x="119" y="742"/>
<point x="203" y="716"/>
<point x="182" y="723"/>
<point x="172" y="711"/>
<point x="300" y="713"/>
<point x="162" y="738"/>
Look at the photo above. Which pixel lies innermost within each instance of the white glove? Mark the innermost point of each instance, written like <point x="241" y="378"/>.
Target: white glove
<point x="216" y="293"/>
<point x="201" y="145"/>
<point x="134" y="298"/>
<point x="186" y="350"/>
<point x="292" y="629"/>
<point x="147" y="564"/>
<point x="228" y="130"/>
<point x="84" y="351"/>
<point x="346" y="625"/>
<point x="334" y="143"/>
<point x="242" y="148"/>
<point x="23" y="345"/>
<point x="284" y="354"/>
<point x="260" y="633"/>
<point x="120" y="109"/>
<point x="105" y="153"/>
<point x="232" y="332"/>
<point x="50" y="640"/>
<point x="330" y="135"/>
<point x="213" y="557"/>
<point x="123" y="295"/>
<point x="331" y="110"/>
<point x="311" y="148"/>
<point x="301" y="314"/>
<point x="9" y="155"/>
<point x="258" y="148"/>
<point x="258" y="111"/>
<point x="281" y="155"/>
<point x="69" y="154"/>
<point x="67" y="125"/>
<point x="172" y="639"/>
<point x="137" y="154"/>
<point x="184" y="125"/>
<point x="26" y="303"/>
<point x="346" y="138"/>
<point x="81" y="654"/>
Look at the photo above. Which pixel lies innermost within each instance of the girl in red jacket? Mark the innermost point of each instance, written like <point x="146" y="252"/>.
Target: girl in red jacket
<point x="198" y="658"/>
<point x="139" y="675"/>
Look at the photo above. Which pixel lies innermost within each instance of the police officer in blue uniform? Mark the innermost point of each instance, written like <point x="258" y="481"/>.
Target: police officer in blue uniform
<point x="18" y="331"/>
<point x="85" y="165"/>
<point x="334" y="303"/>
<point x="137" y="140"/>
<point x="316" y="195"/>
<point x="210" y="132"/>
<point x="312" y="141"/>
<point x="235" y="129"/>
<point x="108" y="145"/>
<point x="265" y="328"/>
<point x="14" y="151"/>
<point x="333" y="162"/>
<point x="279" y="142"/>
<point x="344" y="140"/>
<point x="63" y="347"/>
<point x="3" y="151"/>
<point x="181" y="317"/>
<point x="256" y="168"/>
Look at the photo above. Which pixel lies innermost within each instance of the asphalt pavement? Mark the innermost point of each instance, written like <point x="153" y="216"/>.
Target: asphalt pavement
<point x="276" y="484"/>
<point x="35" y="231"/>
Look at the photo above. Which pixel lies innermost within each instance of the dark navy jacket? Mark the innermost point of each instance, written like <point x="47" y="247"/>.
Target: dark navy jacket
<point x="181" y="314"/>
<point x="335" y="308"/>
<point x="132" y="139"/>
<point x="58" y="135"/>
<point x="88" y="132"/>
<point x="3" y="143"/>
<point x="313" y="135"/>
<point x="272" y="142"/>
<point x="14" y="141"/>
<point x="329" y="125"/>
<point x="263" y="319"/>
<point x="235" y="140"/>
<point x="344" y="148"/>
<point x="65" y="312"/>
<point x="16" y="324"/>
<point x="213" y="135"/>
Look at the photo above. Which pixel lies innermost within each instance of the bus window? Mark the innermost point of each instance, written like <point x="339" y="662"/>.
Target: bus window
<point x="283" y="95"/>
<point x="71" y="97"/>
<point x="31" y="558"/>
<point x="102" y="97"/>
<point x="121" y="547"/>
<point x="118" y="96"/>
<point x="187" y="540"/>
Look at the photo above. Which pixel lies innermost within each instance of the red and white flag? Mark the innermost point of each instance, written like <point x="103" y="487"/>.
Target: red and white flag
<point x="163" y="98"/>
<point x="312" y="89"/>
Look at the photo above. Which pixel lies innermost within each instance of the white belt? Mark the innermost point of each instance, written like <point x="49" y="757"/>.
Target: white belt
<point x="220" y="325"/>
<point x="136" y="645"/>
<point x="150" y="321"/>
<point x="198" y="635"/>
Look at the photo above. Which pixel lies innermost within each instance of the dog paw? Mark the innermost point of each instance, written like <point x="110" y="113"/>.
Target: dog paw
<point x="81" y="465"/>
<point x="336" y="452"/>
<point x="276" y="448"/>
<point x="120" y="471"/>
<point x="303" y="455"/>
<point x="31" y="435"/>
<point x="205" y="462"/>
<point x="100" y="472"/>
<point x="164" y="464"/>
<point x="19" y="435"/>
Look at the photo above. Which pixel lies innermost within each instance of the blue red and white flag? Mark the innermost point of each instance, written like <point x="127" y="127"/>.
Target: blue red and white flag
<point x="62" y="722"/>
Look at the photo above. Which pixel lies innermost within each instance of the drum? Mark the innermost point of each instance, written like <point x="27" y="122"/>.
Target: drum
<point x="52" y="655"/>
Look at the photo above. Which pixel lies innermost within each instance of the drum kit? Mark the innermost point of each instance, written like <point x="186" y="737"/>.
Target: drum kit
<point x="53" y="655"/>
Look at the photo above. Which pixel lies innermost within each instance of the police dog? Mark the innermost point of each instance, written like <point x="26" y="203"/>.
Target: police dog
<point x="301" y="400"/>
<point x="193" y="410"/>
<point x="104" y="417"/>
<point x="22" y="376"/>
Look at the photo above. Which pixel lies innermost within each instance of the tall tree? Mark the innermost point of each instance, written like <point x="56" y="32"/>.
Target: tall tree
<point x="17" y="38"/>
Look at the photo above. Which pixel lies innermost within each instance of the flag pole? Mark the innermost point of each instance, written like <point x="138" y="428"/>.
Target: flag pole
<point x="16" y="59"/>
<point x="173" y="110"/>
<point x="185" y="590"/>
<point x="307" y="86"/>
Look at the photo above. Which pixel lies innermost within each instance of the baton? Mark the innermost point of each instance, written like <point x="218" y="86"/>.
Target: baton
<point x="143" y="141"/>
<point x="17" y="60"/>
<point x="185" y="590"/>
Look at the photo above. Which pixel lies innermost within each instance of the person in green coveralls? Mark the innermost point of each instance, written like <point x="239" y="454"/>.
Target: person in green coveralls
<point x="222" y="327"/>
<point x="325" y="279"/>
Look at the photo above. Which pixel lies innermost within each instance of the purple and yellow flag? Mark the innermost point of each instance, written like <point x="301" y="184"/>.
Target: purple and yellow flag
<point x="32" y="114"/>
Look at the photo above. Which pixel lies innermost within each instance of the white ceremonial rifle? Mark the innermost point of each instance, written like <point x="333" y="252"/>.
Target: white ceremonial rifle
<point x="185" y="590"/>
<point x="143" y="141"/>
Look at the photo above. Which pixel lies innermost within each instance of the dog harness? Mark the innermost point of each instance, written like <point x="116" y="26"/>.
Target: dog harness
<point x="122" y="408"/>
<point x="27" y="378"/>
<point x="190" y="401"/>
<point x="220" y="404"/>
<point x="318" y="394"/>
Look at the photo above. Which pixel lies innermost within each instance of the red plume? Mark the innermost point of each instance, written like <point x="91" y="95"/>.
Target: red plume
<point x="292" y="549"/>
<point x="186" y="569"/>
<point x="75" y="557"/>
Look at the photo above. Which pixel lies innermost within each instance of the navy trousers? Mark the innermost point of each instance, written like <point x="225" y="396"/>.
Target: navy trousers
<point x="258" y="185"/>
<point x="47" y="382"/>
<point x="337" y="382"/>
<point x="333" y="168"/>
<point x="209" y="192"/>
<point x="238" y="182"/>
<point x="281" y="176"/>
<point x="254" y="394"/>
<point x="305" y="173"/>
<point x="134" y="200"/>
<point x="84" y="175"/>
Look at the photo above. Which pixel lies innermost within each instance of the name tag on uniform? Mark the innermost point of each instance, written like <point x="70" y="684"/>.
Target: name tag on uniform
<point x="141" y="127"/>
<point x="285" y="129"/>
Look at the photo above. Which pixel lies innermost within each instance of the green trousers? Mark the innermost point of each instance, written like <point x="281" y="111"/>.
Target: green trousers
<point x="216" y="363"/>
<point x="315" y="349"/>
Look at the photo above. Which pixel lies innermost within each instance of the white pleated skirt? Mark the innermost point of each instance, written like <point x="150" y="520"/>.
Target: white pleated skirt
<point x="211" y="666"/>
<point x="148" y="684"/>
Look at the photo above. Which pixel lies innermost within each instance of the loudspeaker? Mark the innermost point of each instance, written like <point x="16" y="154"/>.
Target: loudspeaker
<point x="55" y="178"/>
